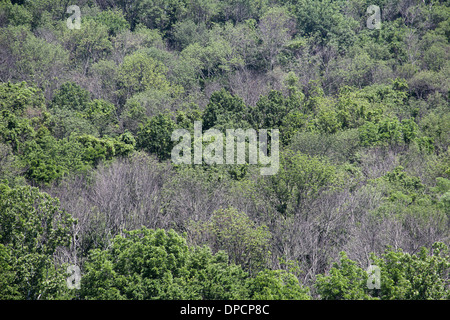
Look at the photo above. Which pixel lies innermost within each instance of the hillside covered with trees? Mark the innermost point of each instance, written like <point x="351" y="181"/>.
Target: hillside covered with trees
<point x="87" y="179"/>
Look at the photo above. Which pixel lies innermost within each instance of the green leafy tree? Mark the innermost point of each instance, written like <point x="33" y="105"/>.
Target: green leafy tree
<point x="10" y="167"/>
<point x="158" y="264"/>
<point x="271" y="110"/>
<point x="19" y="97"/>
<point x="138" y="73"/>
<point x="33" y="227"/>
<point x="188" y="32"/>
<point x="48" y="159"/>
<point x="277" y="285"/>
<point x="386" y="132"/>
<point x="15" y="14"/>
<point x="246" y="243"/>
<point x="64" y="122"/>
<point x="30" y="58"/>
<point x="225" y="111"/>
<point x="87" y="45"/>
<point x="240" y="10"/>
<point x="71" y="96"/>
<point x="403" y="276"/>
<point x="345" y="281"/>
<point x="300" y="178"/>
<point x="103" y="115"/>
<point x="155" y="136"/>
<point x="148" y="264"/>
<point x="291" y="124"/>
<point x="324" y="21"/>
<point x="114" y="20"/>
<point x="154" y="14"/>
<point x="15" y="130"/>
<point x="421" y="276"/>
<point x="96" y="150"/>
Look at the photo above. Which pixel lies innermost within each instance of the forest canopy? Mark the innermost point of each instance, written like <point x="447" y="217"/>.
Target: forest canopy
<point x="87" y="117"/>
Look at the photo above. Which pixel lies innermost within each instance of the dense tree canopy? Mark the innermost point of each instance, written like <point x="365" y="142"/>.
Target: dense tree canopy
<point x="87" y="118"/>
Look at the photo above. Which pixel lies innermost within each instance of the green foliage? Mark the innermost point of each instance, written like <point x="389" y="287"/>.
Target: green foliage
<point x="246" y="243"/>
<point x="10" y="167"/>
<point x="64" y="122"/>
<point x="404" y="181"/>
<point x="364" y="123"/>
<point x="388" y="132"/>
<point x="148" y="258"/>
<point x="324" y="21"/>
<point x="7" y="291"/>
<point x="154" y="14"/>
<point x="409" y="129"/>
<point x="187" y="32"/>
<point x="155" y="264"/>
<point x="402" y="189"/>
<point x="14" y="130"/>
<point x="436" y="126"/>
<point x="277" y="285"/>
<point x="443" y="189"/>
<point x="214" y="59"/>
<point x="339" y="147"/>
<point x="72" y="97"/>
<point x="33" y="227"/>
<point x="15" y="14"/>
<point x="225" y="111"/>
<point x="138" y="73"/>
<point x="345" y="281"/>
<point x="155" y="136"/>
<point x="19" y="98"/>
<point x="215" y="278"/>
<point x="87" y="45"/>
<point x="300" y="178"/>
<point x="271" y="110"/>
<point x="102" y="115"/>
<point x="74" y="112"/>
<point x="158" y="264"/>
<point x="31" y="58"/>
<point x="114" y="20"/>
<point x="291" y="124"/>
<point x="48" y="159"/>
<point x="96" y="150"/>
<point x="240" y="10"/>
<point x="421" y="276"/>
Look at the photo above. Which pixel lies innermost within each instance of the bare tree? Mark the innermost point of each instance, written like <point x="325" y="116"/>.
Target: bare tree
<point x="192" y="195"/>
<point x="276" y="28"/>
<point x="313" y="240"/>
<point x="249" y="85"/>
<point x="123" y="195"/>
